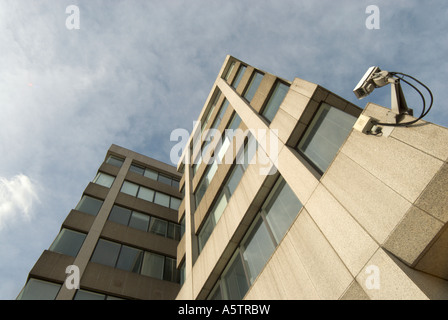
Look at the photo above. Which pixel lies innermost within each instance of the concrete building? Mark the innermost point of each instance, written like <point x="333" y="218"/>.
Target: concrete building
<point x="295" y="205"/>
<point x="343" y="214"/>
<point x="122" y="235"/>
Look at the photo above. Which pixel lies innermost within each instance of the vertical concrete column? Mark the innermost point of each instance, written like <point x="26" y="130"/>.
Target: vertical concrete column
<point x="92" y="237"/>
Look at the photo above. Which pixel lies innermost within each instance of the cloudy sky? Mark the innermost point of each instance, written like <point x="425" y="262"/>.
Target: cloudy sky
<point x="138" y="69"/>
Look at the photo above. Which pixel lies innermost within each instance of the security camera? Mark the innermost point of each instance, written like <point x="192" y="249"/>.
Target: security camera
<point x="366" y="85"/>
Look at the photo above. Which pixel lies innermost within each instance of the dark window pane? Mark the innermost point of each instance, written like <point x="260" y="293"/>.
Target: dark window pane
<point x="164" y="179"/>
<point x="170" y="271"/>
<point x="235" y="279"/>
<point x="158" y="226"/>
<point x="68" y="242"/>
<point x="137" y="169"/>
<point x="106" y="252"/>
<point x="238" y="77"/>
<point x="325" y="135"/>
<point x="120" y="215"/>
<point x="130" y="259"/>
<point x="153" y="265"/>
<point x="253" y="86"/>
<point x="173" y="231"/>
<point x="139" y="221"/>
<point x="89" y="205"/>
<point x="175" y="203"/>
<point x="275" y="101"/>
<point x="39" y="290"/>
<point x="175" y="184"/>
<point x="150" y="174"/>
<point x="88" y="295"/>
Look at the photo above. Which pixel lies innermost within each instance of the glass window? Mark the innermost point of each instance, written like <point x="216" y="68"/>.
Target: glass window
<point x="253" y="85"/>
<point x="137" y="169"/>
<point x="164" y="179"/>
<point x="151" y="174"/>
<point x="238" y="76"/>
<point x="234" y="179"/>
<point x="89" y="205"/>
<point x="170" y="272"/>
<point x="158" y="226"/>
<point x="115" y="161"/>
<point x="130" y="259"/>
<point x="139" y="221"/>
<point x="281" y="208"/>
<point x="68" y="242"/>
<point x="234" y="279"/>
<point x="257" y="248"/>
<point x="162" y="199"/>
<point x="146" y="194"/>
<point x="39" y="290"/>
<point x="88" y="295"/>
<point x="275" y="101"/>
<point x="173" y="231"/>
<point x="325" y="135"/>
<point x="129" y="188"/>
<point x="153" y="265"/>
<point x="120" y="215"/>
<point x="229" y="71"/>
<point x="175" y="203"/>
<point x="104" y="180"/>
<point x="175" y="184"/>
<point x="106" y="252"/>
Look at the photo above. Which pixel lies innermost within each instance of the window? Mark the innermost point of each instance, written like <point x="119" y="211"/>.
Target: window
<point x="89" y="205"/>
<point x="150" y="174"/>
<point x="104" y="180"/>
<point x="278" y="212"/>
<point x="139" y="221"/>
<point x="39" y="290"/>
<point x="162" y="199"/>
<point x="129" y="188"/>
<point x="115" y="161"/>
<point x="229" y="71"/>
<point x="146" y="194"/>
<point x="137" y="169"/>
<point x="158" y="226"/>
<point x="130" y="259"/>
<point x="175" y="203"/>
<point x="253" y="85"/>
<point x="170" y="272"/>
<point x="90" y="295"/>
<point x="164" y="179"/>
<point x="68" y="242"/>
<point x="106" y="252"/>
<point x="325" y="135"/>
<point x="173" y="231"/>
<point x="238" y="76"/>
<point x="275" y="100"/>
<point x="153" y="265"/>
<point x="120" y="215"/>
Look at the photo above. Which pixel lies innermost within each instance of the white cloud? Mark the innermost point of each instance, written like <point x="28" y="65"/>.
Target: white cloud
<point x="17" y="196"/>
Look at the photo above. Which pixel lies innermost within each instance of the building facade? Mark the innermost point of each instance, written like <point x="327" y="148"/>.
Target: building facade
<point x="275" y="196"/>
<point x="340" y="215"/>
<point x="122" y="236"/>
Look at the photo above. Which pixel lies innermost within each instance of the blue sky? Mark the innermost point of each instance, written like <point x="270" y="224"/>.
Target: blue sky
<point x="138" y="69"/>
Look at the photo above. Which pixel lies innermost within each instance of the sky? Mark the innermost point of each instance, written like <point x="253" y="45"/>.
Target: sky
<point x="136" y="70"/>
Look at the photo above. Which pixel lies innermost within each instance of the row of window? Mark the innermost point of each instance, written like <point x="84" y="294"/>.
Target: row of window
<point x="265" y="233"/>
<point x="119" y="256"/>
<point x="242" y="161"/>
<point x="149" y="173"/>
<point x="36" y="289"/>
<point x="133" y="219"/>
<point x="150" y="195"/>
<point x="218" y="156"/>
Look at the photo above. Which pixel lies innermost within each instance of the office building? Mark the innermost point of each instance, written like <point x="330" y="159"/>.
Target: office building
<point x="281" y="198"/>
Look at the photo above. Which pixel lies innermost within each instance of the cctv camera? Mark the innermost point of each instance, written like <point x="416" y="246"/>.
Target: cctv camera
<point x="366" y="85"/>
